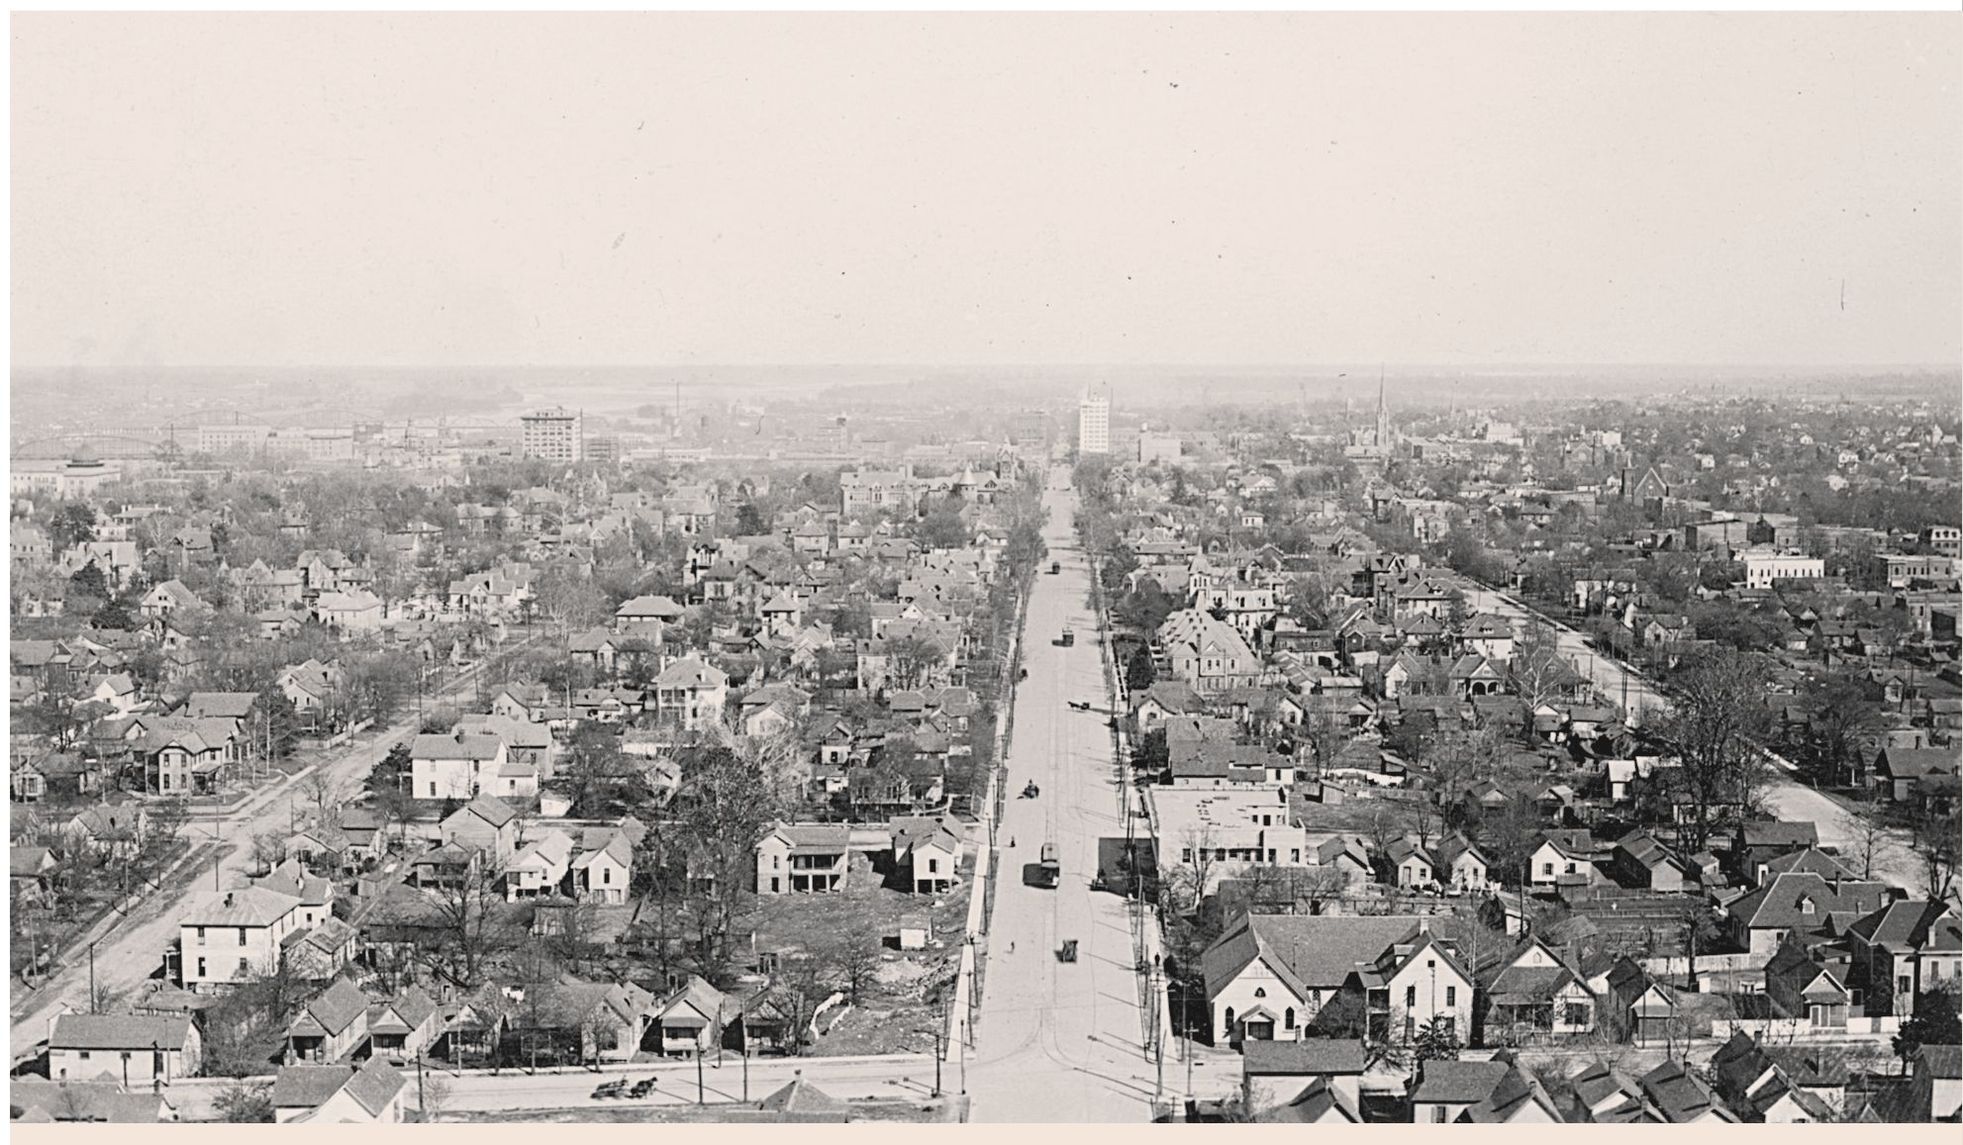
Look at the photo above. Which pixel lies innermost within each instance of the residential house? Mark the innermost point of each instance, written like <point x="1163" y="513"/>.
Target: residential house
<point x="367" y="1094"/>
<point x="133" y="1049"/>
<point x="329" y="1027"/>
<point x="1797" y="902"/>
<point x="928" y="850"/>
<point x="602" y="874"/>
<point x="1209" y="655"/>
<point x="461" y="765"/>
<point x="167" y="600"/>
<point x="580" y="1021"/>
<point x="1565" y="854"/>
<point x="1903" y="950"/>
<point x="225" y="937"/>
<point x="1681" y="1098"/>
<point x="1446" y="1089"/>
<point x="27" y="872"/>
<point x="349" y="613"/>
<point x="1757" y="842"/>
<point x="1410" y="864"/>
<point x="34" y="1100"/>
<point x="1640" y="862"/>
<point x="805" y="857"/>
<point x="1936" y="1089"/>
<point x="114" y="827"/>
<point x="1518" y="1099"/>
<point x="484" y="824"/>
<point x="691" y="693"/>
<point x="1802" y="990"/>
<point x="1536" y="995"/>
<point x="1271" y="977"/>
<point x="1278" y="1073"/>
<point x="1906" y="774"/>
<point x="182" y="756"/>
<point x="1636" y="1007"/>
<point x="402" y="1028"/>
<point x="539" y="868"/>
<point x="692" y="1020"/>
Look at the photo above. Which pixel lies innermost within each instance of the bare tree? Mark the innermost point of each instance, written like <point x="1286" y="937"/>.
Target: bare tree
<point x="1194" y="872"/>
<point x="1933" y="840"/>
<point x="322" y="791"/>
<point x="858" y="958"/>
<point x="1720" y="715"/>
<point x="268" y="850"/>
<point x="1325" y="734"/>
<point x="1538" y="671"/>
<point x="433" y="1095"/>
<point x="1873" y="845"/>
<point x="470" y="925"/>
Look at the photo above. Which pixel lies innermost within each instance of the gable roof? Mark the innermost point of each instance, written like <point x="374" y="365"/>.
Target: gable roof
<point x="1306" y="951"/>
<point x="1781" y="902"/>
<point x="1307" y="1057"/>
<point x="118" y="1031"/>
<point x="333" y="1010"/>
<point x="459" y="744"/>
<point x="41" y="1100"/>
<point x="1457" y="1082"/>
<point x="1912" y="925"/>
<point x="489" y="808"/>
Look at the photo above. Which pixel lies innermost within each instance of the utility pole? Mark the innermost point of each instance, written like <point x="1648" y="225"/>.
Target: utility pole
<point x="95" y="1006"/>
<point x="698" y="1074"/>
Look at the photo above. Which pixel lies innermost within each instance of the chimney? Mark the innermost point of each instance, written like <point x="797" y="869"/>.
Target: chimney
<point x="229" y="897"/>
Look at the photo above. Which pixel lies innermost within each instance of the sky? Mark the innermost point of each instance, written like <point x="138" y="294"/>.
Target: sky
<point x="394" y="190"/>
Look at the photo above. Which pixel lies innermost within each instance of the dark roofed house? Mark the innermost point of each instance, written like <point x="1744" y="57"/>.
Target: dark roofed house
<point x="1800" y="988"/>
<point x="35" y="1100"/>
<point x="1761" y="840"/>
<point x="1518" y="1099"/>
<point x="1681" y="1098"/>
<point x="1446" y="1089"/>
<point x="1797" y="903"/>
<point x="1903" y="949"/>
<point x="370" y="1093"/>
<point x="1277" y="1073"/>
<point x="403" y="1027"/>
<point x="331" y="1026"/>
<point x="1906" y="774"/>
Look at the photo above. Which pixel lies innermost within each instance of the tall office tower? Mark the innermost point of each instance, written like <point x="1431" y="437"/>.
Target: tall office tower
<point x="1094" y="423"/>
<point x="554" y="435"/>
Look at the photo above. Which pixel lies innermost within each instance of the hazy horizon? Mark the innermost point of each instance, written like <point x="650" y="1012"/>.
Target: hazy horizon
<point x="1300" y="191"/>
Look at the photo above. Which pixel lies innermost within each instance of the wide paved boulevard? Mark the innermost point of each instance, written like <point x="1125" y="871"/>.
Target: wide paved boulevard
<point x="1060" y="1041"/>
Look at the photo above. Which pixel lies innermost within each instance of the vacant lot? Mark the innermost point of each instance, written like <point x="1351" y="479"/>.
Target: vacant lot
<point x="898" y="1006"/>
